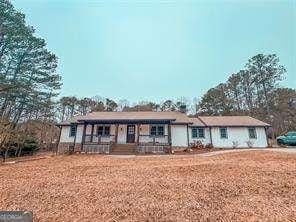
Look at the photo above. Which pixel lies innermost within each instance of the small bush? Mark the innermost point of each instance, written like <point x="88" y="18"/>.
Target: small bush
<point x="30" y="146"/>
<point x="209" y="145"/>
<point x="234" y="144"/>
<point x="250" y="144"/>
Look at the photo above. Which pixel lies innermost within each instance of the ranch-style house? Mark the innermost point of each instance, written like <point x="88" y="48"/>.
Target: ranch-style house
<point x="155" y="132"/>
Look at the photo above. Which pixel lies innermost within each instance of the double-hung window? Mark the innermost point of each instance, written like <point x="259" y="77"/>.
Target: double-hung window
<point x="73" y="129"/>
<point x="223" y="133"/>
<point x="156" y="130"/>
<point x="103" y="130"/>
<point x="252" y="133"/>
<point x="198" y="132"/>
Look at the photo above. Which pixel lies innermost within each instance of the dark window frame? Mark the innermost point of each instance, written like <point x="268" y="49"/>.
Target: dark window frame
<point x="158" y="132"/>
<point x="254" y="136"/>
<point x="105" y="132"/>
<point x="222" y="136"/>
<point x="199" y="133"/>
<point x="73" y="130"/>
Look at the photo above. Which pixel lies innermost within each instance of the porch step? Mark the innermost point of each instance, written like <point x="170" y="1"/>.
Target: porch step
<point x="123" y="149"/>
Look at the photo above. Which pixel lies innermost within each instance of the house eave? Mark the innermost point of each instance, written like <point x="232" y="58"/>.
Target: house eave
<point x="127" y="121"/>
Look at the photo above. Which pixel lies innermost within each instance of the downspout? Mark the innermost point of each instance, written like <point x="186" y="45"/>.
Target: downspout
<point x="83" y="136"/>
<point x="170" y="134"/>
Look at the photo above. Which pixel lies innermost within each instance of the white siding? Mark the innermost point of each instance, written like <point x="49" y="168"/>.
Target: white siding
<point x="240" y="136"/>
<point x="179" y="135"/>
<point x="79" y="133"/>
<point x="121" y="139"/>
<point x="205" y="141"/>
<point x="65" y="135"/>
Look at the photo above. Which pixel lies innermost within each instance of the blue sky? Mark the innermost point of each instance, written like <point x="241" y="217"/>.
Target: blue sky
<point x="152" y="50"/>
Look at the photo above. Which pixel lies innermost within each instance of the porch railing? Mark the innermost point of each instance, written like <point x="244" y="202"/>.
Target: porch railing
<point x="154" y="140"/>
<point x="97" y="139"/>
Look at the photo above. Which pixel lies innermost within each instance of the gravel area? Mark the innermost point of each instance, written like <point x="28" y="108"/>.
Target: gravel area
<point x="235" y="186"/>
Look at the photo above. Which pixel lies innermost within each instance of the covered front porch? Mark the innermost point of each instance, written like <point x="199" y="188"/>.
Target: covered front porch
<point x="126" y="137"/>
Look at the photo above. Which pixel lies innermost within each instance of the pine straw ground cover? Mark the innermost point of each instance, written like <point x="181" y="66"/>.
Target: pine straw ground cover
<point x="245" y="186"/>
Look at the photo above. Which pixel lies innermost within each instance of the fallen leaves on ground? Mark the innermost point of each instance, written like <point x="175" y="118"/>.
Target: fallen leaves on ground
<point x="245" y="186"/>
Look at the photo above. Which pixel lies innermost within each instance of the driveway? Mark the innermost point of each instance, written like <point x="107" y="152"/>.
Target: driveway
<point x="286" y="150"/>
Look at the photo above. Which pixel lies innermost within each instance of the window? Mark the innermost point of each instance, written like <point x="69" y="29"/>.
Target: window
<point x="252" y="133"/>
<point x="103" y="131"/>
<point x="107" y="131"/>
<point x="223" y="133"/>
<point x="73" y="129"/>
<point x="156" y="130"/>
<point x="198" y="133"/>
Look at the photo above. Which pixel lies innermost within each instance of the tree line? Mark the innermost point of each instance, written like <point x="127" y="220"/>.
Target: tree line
<point x="255" y="91"/>
<point x="28" y="77"/>
<point x="67" y="107"/>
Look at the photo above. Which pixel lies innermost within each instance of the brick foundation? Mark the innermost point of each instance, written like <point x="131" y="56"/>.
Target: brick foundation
<point x="64" y="148"/>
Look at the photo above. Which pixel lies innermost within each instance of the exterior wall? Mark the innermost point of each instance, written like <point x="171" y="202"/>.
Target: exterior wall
<point x="79" y="133"/>
<point x="122" y="131"/>
<point x="240" y="136"/>
<point x="236" y="135"/>
<point x="65" y="135"/>
<point x="179" y="135"/>
<point x="205" y="141"/>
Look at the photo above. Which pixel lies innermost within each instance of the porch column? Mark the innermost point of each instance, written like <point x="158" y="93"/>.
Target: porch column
<point x="74" y="143"/>
<point x="83" y="135"/>
<point x="59" y="138"/>
<point x="116" y="133"/>
<point x="170" y="134"/>
<point x="138" y="133"/>
<point x="92" y="133"/>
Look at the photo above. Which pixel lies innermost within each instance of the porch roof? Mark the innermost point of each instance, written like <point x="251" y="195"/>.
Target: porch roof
<point x="131" y="117"/>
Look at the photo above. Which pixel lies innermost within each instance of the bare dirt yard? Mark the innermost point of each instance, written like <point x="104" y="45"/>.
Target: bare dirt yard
<point x="236" y="186"/>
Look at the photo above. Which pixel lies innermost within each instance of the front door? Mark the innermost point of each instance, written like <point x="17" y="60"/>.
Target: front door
<point x="130" y="138"/>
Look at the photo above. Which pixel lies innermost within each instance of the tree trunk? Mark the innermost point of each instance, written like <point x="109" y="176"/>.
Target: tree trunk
<point x="5" y="155"/>
<point x="19" y="152"/>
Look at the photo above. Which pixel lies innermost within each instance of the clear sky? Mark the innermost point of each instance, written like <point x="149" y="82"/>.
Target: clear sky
<point x="152" y="50"/>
